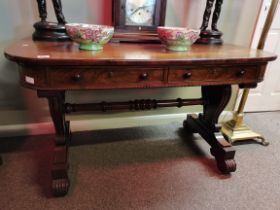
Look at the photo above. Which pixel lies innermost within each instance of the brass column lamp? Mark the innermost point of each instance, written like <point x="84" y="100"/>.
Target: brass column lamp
<point x="236" y="129"/>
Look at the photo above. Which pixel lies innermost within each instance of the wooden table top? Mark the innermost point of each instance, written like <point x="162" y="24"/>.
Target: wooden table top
<point x="67" y="53"/>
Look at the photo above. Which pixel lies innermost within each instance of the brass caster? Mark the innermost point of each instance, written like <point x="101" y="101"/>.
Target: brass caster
<point x="60" y="187"/>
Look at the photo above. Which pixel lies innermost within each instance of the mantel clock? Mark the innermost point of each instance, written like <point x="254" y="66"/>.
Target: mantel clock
<point x="137" y="20"/>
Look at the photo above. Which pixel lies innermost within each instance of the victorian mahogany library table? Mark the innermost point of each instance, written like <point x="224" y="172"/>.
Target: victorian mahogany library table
<point x="52" y="68"/>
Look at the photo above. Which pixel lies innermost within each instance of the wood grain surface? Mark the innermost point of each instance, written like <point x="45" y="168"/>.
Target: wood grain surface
<point x="68" y="53"/>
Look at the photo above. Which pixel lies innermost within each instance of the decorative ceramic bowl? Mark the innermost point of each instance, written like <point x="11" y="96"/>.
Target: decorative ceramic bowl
<point x="90" y="37"/>
<point x="176" y="38"/>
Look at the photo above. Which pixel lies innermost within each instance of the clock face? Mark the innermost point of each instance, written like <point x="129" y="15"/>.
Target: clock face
<point x="140" y="12"/>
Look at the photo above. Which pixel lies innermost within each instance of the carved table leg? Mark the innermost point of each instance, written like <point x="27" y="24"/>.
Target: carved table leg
<point x="60" y="181"/>
<point x="215" y="100"/>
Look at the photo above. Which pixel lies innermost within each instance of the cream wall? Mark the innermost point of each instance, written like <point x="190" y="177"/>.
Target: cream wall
<point x="237" y="21"/>
<point x="19" y="106"/>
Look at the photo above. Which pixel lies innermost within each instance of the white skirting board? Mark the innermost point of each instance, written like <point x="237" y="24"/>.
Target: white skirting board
<point x="98" y="124"/>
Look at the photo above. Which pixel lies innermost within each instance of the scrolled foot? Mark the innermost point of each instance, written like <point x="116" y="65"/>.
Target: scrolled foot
<point x="226" y="166"/>
<point x="263" y="141"/>
<point x="60" y="187"/>
<point x="188" y="128"/>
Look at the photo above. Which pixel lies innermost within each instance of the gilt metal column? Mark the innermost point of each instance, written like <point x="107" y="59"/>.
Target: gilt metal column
<point x="236" y="129"/>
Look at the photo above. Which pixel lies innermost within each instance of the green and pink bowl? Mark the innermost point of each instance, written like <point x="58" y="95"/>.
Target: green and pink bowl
<point x="88" y="36"/>
<point x="177" y="38"/>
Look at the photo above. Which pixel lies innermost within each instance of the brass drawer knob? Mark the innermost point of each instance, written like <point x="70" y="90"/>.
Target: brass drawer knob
<point x="241" y="73"/>
<point x="144" y="76"/>
<point x="76" y="77"/>
<point x="187" y="75"/>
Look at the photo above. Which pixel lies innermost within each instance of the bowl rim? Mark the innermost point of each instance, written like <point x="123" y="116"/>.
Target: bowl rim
<point x="178" y="28"/>
<point x="88" y="25"/>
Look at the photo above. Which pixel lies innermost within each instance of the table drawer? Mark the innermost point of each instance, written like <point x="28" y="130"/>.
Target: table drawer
<point x="104" y="77"/>
<point x="215" y="75"/>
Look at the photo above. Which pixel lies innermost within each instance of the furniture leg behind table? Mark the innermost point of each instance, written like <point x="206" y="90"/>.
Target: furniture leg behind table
<point x="59" y="173"/>
<point x="215" y="100"/>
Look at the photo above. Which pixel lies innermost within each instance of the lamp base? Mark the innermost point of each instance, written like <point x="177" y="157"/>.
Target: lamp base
<point x="49" y="31"/>
<point x="210" y="37"/>
<point x="236" y="130"/>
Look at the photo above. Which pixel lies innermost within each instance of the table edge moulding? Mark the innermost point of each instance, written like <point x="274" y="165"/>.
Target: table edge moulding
<point x="52" y="68"/>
